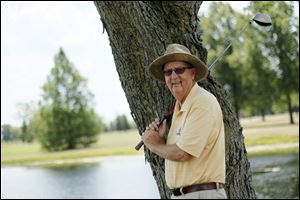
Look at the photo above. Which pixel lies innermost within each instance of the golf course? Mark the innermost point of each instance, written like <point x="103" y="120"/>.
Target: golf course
<point x="273" y="136"/>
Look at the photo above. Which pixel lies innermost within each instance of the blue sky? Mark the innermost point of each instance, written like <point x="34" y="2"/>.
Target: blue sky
<point x="31" y="35"/>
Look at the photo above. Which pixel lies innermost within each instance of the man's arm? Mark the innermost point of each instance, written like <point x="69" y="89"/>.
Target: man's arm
<point x="157" y="145"/>
<point x="171" y="152"/>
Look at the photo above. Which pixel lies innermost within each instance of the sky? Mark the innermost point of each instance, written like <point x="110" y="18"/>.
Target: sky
<point x="31" y="35"/>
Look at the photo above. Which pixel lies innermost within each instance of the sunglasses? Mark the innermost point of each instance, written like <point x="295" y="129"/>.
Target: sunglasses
<point x="178" y="71"/>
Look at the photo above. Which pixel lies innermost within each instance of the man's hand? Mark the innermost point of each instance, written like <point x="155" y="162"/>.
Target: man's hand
<point x="154" y="139"/>
<point x="154" y="135"/>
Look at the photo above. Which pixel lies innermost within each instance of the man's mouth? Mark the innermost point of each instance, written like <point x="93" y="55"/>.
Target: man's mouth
<point x="176" y="84"/>
<point x="179" y="82"/>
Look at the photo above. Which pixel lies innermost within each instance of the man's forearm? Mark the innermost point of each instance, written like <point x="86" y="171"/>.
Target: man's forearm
<point x="170" y="152"/>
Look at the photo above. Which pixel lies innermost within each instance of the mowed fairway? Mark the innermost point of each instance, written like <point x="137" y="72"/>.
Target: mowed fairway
<point x="275" y="130"/>
<point x="113" y="143"/>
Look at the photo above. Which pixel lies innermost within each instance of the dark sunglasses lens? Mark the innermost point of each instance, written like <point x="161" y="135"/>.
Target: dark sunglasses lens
<point x="179" y="70"/>
<point x="168" y="72"/>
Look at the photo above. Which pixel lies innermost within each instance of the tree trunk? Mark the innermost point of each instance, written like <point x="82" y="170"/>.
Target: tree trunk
<point x="139" y="32"/>
<point x="290" y="109"/>
<point x="263" y="114"/>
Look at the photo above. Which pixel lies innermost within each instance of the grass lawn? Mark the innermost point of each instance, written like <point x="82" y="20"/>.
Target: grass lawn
<point x="114" y="143"/>
<point x="274" y="130"/>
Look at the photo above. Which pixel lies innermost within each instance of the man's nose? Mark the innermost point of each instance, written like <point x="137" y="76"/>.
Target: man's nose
<point x="174" y="75"/>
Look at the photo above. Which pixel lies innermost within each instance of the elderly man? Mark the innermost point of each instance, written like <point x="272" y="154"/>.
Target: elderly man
<point x="194" y="150"/>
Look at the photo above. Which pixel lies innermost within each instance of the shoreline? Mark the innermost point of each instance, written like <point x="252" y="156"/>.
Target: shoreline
<point x="76" y="161"/>
<point x="139" y="156"/>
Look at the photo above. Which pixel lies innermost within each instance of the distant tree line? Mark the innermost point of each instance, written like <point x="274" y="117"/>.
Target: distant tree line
<point x="9" y="133"/>
<point x="120" y="123"/>
<point x="27" y="132"/>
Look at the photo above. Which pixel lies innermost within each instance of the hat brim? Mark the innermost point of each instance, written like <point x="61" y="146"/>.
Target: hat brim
<point x="156" y="70"/>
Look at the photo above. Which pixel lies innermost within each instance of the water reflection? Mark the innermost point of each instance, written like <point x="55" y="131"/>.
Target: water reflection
<point x="126" y="177"/>
<point x="276" y="184"/>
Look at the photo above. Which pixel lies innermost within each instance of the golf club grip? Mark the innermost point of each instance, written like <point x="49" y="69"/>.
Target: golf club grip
<point x="165" y="116"/>
<point x="139" y="145"/>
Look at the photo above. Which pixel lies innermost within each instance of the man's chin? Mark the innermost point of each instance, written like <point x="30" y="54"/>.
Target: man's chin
<point x="176" y="90"/>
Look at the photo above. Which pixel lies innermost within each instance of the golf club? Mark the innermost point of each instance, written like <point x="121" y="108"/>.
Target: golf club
<point x="260" y="19"/>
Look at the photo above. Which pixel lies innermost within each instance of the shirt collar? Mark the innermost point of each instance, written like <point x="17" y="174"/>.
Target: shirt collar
<point x="185" y="106"/>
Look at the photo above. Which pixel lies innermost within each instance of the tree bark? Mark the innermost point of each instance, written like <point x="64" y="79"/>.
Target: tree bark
<point x="139" y="32"/>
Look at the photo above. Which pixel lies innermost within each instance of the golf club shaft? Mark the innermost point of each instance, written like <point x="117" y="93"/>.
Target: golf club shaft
<point x="229" y="45"/>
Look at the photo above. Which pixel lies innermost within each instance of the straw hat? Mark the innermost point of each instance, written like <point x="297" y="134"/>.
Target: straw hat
<point x="177" y="52"/>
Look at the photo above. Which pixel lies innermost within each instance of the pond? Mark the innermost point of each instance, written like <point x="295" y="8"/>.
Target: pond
<point x="114" y="177"/>
<point x="129" y="177"/>
<point x="276" y="176"/>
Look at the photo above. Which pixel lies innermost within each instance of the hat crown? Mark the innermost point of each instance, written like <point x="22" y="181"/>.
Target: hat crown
<point x="176" y="48"/>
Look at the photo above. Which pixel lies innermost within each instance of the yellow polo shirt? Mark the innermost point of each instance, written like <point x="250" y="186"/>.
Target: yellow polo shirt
<point x="197" y="128"/>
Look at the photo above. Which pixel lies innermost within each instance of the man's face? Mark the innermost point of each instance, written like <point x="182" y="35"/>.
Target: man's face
<point x="179" y="83"/>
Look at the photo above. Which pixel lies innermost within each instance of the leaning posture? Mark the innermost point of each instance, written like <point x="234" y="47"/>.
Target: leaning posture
<point x="194" y="149"/>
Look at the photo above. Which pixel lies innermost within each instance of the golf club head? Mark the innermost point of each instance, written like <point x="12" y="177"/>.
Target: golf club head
<point x="262" y="19"/>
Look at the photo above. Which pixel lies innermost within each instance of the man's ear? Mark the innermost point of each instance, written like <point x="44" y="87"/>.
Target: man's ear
<point x="194" y="73"/>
